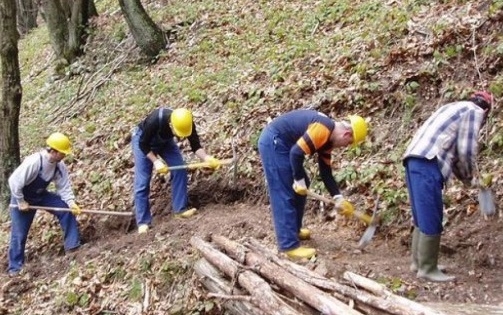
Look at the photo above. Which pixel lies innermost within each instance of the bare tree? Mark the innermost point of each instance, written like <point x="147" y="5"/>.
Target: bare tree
<point x="67" y="21"/>
<point x="147" y="35"/>
<point x="27" y="11"/>
<point x="91" y="10"/>
<point x="11" y="97"/>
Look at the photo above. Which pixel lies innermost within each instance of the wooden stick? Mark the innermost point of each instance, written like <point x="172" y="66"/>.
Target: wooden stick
<point x="262" y="293"/>
<point x="198" y="165"/>
<point x="380" y="290"/>
<point x="220" y="287"/>
<point x="357" y="214"/>
<point x="313" y="296"/>
<point x="83" y="210"/>
<point x="368" y="303"/>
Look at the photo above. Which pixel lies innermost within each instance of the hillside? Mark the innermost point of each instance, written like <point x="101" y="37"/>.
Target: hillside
<point x="237" y="64"/>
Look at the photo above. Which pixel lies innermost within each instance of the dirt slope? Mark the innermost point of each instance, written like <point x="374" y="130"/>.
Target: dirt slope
<point x="470" y="250"/>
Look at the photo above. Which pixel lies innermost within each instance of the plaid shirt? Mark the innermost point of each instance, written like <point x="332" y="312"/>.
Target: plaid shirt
<point x="450" y="135"/>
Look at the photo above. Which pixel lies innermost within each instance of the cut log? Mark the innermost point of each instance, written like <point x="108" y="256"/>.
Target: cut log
<point x="367" y="303"/>
<point x="213" y="280"/>
<point x="262" y="294"/>
<point x="467" y="309"/>
<point x="381" y="290"/>
<point x="313" y="296"/>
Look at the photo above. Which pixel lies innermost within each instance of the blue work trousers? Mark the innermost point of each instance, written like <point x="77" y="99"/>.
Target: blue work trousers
<point x="287" y="206"/>
<point x="425" y="183"/>
<point x="21" y="222"/>
<point x="171" y="154"/>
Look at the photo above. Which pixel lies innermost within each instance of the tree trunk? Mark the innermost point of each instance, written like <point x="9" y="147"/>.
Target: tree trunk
<point x="27" y="12"/>
<point x="11" y="97"/>
<point x="91" y="9"/>
<point x="79" y="21"/>
<point x="58" y="27"/>
<point x="147" y="35"/>
<point x="67" y="21"/>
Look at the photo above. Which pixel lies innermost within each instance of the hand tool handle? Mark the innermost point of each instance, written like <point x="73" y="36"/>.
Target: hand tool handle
<point x="82" y="211"/>
<point x="198" y="165"/>
<point x="357" y="214"/>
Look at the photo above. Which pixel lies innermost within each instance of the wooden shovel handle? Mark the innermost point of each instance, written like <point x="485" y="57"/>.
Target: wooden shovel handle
<point x="83" y="210"/>
<point x="357" y="214"/>
<point x="199" y="165"/>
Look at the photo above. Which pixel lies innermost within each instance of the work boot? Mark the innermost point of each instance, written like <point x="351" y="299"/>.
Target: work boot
<point x="304" y="234"/>
<point x="143" y="228"/>
<point x="14" y="273"/>
<point x="186" y="214"/>
<point x="301" y="252"/>
<point x="413" y="250"/>
<point x="428" y="248"/>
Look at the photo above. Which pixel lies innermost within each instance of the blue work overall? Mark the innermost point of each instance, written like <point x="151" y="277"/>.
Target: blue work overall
<point x="170" y="153"/>
<point x="287" y="206"/>
<point x="425" y="182"/>
<point x="36" y="194"/>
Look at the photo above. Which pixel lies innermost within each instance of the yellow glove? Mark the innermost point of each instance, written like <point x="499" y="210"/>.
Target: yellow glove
<point x="346" y="207"/>
<point x="213" y="162"/>
<point x="299" y="186"/>
<point x="75" y="209"/>
<point x="23" y="206"/>
<point x="160" y="166"/>
<point x="486" y="180"/>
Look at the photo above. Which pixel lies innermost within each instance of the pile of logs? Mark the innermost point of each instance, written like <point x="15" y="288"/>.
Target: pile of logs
<point x="252" y="279"/>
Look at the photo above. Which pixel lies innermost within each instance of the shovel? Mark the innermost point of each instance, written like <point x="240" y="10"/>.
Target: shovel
<point x="372" y="221"/>
<point x="486" y="199"/>
<point x="82" y="211"/>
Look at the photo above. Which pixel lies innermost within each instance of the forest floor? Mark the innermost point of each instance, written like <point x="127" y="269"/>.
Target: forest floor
<point x="470" y="247"/>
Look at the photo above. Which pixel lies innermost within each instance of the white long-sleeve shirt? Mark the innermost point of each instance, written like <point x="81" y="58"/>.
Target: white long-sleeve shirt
<point x="28" y="171"/>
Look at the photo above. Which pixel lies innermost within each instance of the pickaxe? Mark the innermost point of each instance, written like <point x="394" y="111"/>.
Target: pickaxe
<point x="372" y="221"/>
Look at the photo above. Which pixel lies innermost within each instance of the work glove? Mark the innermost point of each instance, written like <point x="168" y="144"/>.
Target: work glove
<point x="160" y="166"/>
<point x="486" y="180"/>
<point x="75" y="209"/>
<point x="299" y="186"/>
<point x="213" y="162"/>
<point x="23" y="206"/>
<point x="346" y="207"/>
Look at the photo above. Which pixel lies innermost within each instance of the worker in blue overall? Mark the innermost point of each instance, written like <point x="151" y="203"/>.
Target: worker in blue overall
<point x="154" y="146"/>
<point x="445" y="145"/>
<point x="283" y="145"/>
<point x="28" y="186"/>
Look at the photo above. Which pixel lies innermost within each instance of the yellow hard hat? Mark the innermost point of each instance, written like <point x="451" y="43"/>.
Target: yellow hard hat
<point x="359" y="126"/>
<point x="181" y="120"/>
<point x="59" y="142"/>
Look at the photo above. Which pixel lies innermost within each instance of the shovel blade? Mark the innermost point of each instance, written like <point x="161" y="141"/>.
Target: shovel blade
<point x="367" y="236"/>
<point x="486" y="202"/>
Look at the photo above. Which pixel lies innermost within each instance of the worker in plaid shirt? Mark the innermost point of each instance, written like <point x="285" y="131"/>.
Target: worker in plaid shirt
<point x="445" y="145"/>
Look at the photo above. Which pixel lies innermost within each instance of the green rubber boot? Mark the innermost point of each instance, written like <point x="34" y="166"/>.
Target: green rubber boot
<point x="428" y="248"/>
<point x="413" y="249"/>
